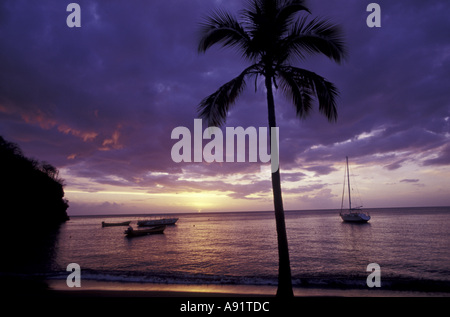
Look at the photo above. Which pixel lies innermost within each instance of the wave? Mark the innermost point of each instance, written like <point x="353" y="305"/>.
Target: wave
<point x="323" y="282"/>
<point x="166" y="278"/>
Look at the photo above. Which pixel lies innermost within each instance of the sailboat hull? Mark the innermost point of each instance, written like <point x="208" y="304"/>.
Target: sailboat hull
<point x="355" y="217"/>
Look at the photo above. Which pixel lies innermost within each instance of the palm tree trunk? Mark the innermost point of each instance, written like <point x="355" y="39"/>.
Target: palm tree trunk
<point x="284" y="267"/>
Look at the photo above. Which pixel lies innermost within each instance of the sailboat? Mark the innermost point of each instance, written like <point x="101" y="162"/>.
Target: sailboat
<point x="352" y="214"/>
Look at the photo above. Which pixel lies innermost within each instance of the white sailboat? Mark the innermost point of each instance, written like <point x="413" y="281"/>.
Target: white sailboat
<point x="351" y="214"/>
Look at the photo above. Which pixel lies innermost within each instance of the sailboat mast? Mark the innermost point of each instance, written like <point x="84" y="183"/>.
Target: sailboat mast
<point x="348" y="182"/>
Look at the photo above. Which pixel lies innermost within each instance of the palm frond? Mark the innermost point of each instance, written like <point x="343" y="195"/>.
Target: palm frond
<point x="270" y="16"/>
<point x="259" y="19"/>
<point x="215" y="107"/>
<point x="222" y="28"/>
<point x="287" y="12"/>
<point x="317" y="36"/>
<point x="300" y="91"/>
<point x="302" y="86"/>
<point x="268" y="23"/>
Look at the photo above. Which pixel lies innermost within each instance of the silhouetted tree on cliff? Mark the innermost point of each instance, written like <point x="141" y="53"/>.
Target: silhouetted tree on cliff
<point x="32" y="208"/>
<point x="31" y="194"/>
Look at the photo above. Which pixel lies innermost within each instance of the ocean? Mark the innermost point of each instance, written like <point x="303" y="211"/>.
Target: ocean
<point x="410" y="245"/>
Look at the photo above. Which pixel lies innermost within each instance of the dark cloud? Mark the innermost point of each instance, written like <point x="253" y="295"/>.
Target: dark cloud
<point x="395" y="165"/>
<point x="321" y="169"/>
<point x="409" y="180"/>
<point x="443" y="157"/>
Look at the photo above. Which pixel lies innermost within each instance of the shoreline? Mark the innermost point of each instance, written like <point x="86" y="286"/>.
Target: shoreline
<point x="53" y="297"/>
<point x="105" y="297"/>
<point x="94" y="288"/>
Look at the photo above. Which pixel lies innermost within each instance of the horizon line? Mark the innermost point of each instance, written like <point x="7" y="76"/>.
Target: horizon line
<point x="241" y="211"/>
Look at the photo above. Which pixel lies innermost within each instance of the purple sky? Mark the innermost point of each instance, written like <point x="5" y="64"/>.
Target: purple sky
<point x="100" y="102"/>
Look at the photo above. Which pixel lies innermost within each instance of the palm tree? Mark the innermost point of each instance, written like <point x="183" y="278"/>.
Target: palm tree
<point x="271" y="35"/>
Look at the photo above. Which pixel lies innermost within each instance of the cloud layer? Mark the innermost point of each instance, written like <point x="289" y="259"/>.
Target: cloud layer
<point x="100" y="101"/>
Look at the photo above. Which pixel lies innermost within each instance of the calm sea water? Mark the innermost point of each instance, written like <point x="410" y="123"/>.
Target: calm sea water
<point x="411" y="245"/>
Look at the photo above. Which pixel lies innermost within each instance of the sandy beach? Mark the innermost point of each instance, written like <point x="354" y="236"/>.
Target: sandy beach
<point x="124" y="298"/>
<point x="118" y="289"/>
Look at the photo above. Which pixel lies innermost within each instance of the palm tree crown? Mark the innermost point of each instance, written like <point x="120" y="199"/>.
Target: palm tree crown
<point x="271" y="35"/>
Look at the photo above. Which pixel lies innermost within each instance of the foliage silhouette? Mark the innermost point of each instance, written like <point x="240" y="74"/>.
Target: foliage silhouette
<point x="31" y="191"/>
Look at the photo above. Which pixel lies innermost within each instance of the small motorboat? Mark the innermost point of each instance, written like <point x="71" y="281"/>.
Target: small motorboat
<point x="157" y="222"/>
<point x="130" y="232"/>
<point x="113" y="224"/>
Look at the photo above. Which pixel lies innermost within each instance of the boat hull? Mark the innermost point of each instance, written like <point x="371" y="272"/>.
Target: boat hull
<point x="157" y="222"/>
<point x="130" y="232"/>
<point x="358" y="217"/>
<point x="115" y="224"/>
